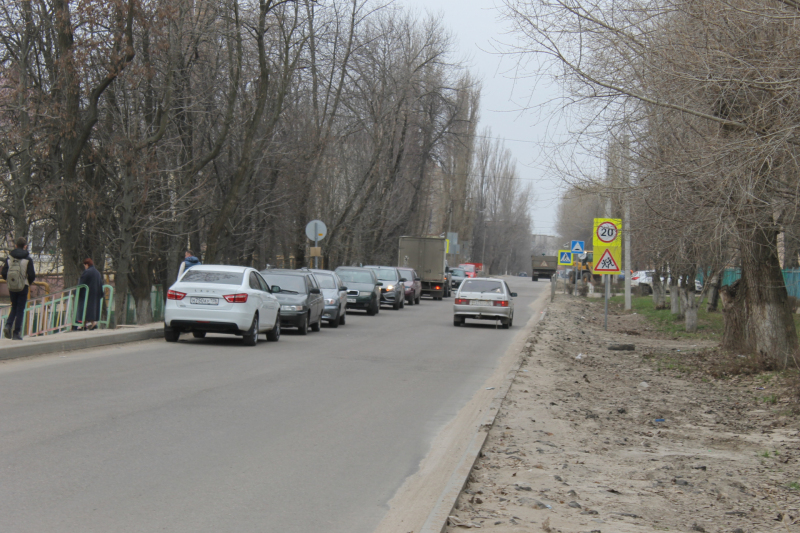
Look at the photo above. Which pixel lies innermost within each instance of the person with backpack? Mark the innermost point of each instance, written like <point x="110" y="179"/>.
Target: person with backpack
<point x="19" y="275"/>
<point x="189" y="260"/>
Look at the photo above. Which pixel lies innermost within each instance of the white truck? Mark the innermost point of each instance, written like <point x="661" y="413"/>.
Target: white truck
<point x="428" y="256"/>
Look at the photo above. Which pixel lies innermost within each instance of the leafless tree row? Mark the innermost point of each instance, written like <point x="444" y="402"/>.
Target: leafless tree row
<point x="706" y="93"/>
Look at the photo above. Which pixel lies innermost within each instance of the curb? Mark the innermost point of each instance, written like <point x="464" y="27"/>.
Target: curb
<point x="81" y="343"/>
<point x="437" y="519"/>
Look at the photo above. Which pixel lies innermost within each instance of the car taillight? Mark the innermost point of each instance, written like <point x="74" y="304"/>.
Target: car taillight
<point x="236" y="298"/>
<point x="175" y="295"/>
<point x="501" y="303"/>
<point x="438" y="287"/>
<point x="462" y="301"/>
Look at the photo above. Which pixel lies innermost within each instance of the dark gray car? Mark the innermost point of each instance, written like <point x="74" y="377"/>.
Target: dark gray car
<point x="334" y="292"/>
<point x="300" y="297"/>
<point x="393" y="291"/>
<point x="363" y="289"/>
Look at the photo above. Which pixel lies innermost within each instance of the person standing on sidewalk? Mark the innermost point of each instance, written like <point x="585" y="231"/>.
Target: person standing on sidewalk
<point x="188" y="262"/>
<point x="19" y="275"/>
<point x="92" y="278"/>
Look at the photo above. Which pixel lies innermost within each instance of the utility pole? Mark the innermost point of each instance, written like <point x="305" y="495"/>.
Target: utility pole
<point x="626" y="222"/>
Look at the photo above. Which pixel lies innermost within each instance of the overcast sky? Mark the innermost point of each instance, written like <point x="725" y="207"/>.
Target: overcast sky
<point x="475" y="25"/>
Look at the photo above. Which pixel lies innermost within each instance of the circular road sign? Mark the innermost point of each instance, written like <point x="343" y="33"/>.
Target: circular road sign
<point x="607" y="232"/>
<point x="316" y="230"/>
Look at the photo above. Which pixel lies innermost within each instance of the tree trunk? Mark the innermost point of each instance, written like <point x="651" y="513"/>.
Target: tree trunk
<point x="690" y="305"/>
<point x="674" y="297"/>
<point x="659" y="291"/>
<point x="734" y="335"/>
<point x="715" y="283"/>
<point x="770" y="322"/>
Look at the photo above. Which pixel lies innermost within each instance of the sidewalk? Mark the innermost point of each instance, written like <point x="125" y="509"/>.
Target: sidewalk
<point x="78" y="340"/>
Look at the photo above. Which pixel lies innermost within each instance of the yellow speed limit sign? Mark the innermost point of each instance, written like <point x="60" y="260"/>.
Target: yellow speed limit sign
<point x="606" y="233"/>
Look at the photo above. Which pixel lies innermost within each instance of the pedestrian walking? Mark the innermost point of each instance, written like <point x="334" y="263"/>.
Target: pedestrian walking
<point x="188" y="262"/>
<point x="92" y="278"/>
<point x="19" y="274"/>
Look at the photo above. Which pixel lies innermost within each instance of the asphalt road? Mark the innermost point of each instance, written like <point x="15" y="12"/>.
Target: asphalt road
<point x="310" y="434"/>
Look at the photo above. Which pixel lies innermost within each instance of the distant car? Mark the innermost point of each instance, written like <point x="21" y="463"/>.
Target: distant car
<point x="698" y="286"/>
<point x="484" y="299"/>
<point x="523" y="274"/>
<point x="413" y="285"/>
<point x="457" y="275"/>
<point x="644" y="280"/>
<point x="222" y="299"/>
<point x="300" y="296"/>
<point x="393" y="291"/>
<point x="363" y="289"/>
<point x="334" y="294"/>
<point x="469" y="269"/>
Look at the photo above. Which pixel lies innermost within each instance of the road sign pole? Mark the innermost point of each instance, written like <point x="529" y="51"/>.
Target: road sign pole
<point x="316" y="244"/>
<point x="607" y="290"/>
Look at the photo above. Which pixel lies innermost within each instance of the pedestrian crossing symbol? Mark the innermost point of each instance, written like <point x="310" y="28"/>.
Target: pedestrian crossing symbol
<point x="607" y="263"/>
<point x="564" y="257"/>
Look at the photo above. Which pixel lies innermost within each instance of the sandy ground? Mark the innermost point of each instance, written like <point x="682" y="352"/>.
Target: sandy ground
<point x="593" y="440"/>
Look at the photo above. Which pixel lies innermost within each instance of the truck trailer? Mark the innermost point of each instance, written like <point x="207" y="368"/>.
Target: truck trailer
<point x="428" y="256"/>
<point x="543" y="266"/>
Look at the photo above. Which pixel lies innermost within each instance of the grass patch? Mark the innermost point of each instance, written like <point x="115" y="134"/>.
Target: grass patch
<point x="709" y="325"/>
<point x="794" y="485"/>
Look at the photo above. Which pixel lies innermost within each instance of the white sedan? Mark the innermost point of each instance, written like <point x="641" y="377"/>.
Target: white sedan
<point x="222" y="299"/>
<point x="484" y="299"/>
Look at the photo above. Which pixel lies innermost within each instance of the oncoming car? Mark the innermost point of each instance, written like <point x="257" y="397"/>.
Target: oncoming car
<point x="484" y="299"/>
<point x="222" y="299"/>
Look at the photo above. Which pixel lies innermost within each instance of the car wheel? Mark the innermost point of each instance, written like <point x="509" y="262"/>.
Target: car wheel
<point x="396" y="305"/>
<point x="316" y="325"/>
<point x="402" y="303"/>
<point x="274" y="334"/>
<point x="511" y="321"/>
<point x="534" y="278"/>
<point x="342" y="319"/>
<point x="505" y="324"/>
<point x="457" y="321"/>
<point x="171" y="335"/>
<point x="250" y="338"/>
<point x="334" y="323"/>
<point x="302" y="328"/>
<point x="199" y="334"/>
<point x="371" y="311"/>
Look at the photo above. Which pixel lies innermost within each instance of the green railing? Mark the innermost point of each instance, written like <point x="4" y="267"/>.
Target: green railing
<point x="52" y="313"/>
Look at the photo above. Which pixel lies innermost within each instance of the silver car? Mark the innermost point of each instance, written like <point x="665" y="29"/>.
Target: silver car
<point x="484" y="299"/>
<point x="335" y="294"/>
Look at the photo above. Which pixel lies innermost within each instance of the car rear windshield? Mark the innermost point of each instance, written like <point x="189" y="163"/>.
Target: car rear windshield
<point x="355" y="276"/>
<point x="287" y="283"/>
<point x="213" y="276"/>
<point x="480" y="285"/>
<point x="408" y="274"/>
<point x="386" y="274"/>
<point x="325" y="281"/>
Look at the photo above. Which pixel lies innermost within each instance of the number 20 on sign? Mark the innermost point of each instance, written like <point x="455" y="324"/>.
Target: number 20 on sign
<point x="606" y="232"/>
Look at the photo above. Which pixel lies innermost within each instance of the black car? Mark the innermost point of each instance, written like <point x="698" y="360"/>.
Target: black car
<point x="363" y="288"/>
<point x="301" y="300"/>
<point x="393" y="291"/>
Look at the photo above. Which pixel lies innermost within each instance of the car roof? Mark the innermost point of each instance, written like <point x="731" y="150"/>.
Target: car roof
<point x="284" y="272"/>
<point x="222" y="268"/>
<point x="379" y="266"/>
<point x="488" y="279"/>
<point x="321" y="271"/>
<point x="351" y="268"/>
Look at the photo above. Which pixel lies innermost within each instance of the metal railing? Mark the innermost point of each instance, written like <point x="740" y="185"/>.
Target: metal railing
<point x="55" y="313"/>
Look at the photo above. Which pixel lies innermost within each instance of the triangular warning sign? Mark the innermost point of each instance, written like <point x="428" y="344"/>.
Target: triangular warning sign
<point x="607" y="263"/>
<point x="544" y="263"/>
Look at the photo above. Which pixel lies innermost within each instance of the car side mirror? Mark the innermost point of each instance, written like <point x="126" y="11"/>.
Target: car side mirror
<point x="342" y="288"/>
<point x="403" y="280"/>
<point x="417" y="279"/>
<point x="379" y="284"/>
<point x="314" y="291"/>
<point x="513" y="294"/>
<point x="274" y="289"/>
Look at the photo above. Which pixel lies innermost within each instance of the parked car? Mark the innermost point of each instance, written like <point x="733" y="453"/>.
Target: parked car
<point x="484" y="299"/>
<point x="363" y="289"/>
<point x="300" y="296"/>
<point x="413" y="285"/>
<point x="644" y="280"/>
<point x="334" y="294"/>
<point x="222" y="299"/>
<point x="393" y="290"/>
<point x="457" y="275"/>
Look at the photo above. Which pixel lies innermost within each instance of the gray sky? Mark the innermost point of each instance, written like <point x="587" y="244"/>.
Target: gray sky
<point x="475" y="24"/>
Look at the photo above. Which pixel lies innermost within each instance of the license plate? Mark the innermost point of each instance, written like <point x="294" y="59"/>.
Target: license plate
<point x="480" y="302"/>
<point x="351" y="300"/>
<point x="204" y="301"/>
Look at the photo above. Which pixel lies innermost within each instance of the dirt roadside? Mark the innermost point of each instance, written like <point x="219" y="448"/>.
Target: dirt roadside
<point x="593" y="440"/>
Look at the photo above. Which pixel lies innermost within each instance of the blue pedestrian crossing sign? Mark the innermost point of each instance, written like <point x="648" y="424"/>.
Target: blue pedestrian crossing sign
<point x="564" y="257"/>
<point x="577" y="247"/>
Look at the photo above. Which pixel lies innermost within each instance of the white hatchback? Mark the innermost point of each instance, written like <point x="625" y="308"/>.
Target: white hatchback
<point x="484" y="299"/>
<point x="222" y="299"/>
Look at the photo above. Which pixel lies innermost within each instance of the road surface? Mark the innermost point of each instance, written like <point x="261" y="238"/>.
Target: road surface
<point x="310" y="434"/>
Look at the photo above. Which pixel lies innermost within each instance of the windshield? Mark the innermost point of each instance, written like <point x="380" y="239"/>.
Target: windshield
<point x="459" y="272"/>
<point x="325" y="281"/>
<point x="406" y="273"/>
<point x="479" y="285"/>
<point x="468" y="268"/>
<point x="213" y="276"/>
<point x="355" y="276"/>
<point x="294" y="284"/>
<point x="386" y="274"/>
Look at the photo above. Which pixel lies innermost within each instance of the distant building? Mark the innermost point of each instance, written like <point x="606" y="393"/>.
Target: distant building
<point x="544" y="244"/>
